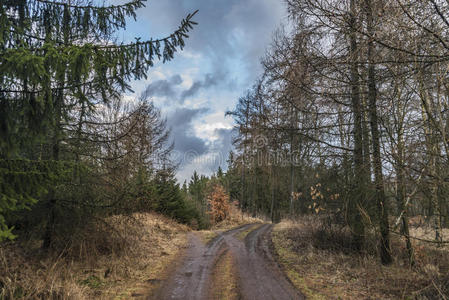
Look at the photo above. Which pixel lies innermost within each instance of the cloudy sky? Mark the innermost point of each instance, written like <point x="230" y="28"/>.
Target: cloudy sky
<point x="219" y="63"/>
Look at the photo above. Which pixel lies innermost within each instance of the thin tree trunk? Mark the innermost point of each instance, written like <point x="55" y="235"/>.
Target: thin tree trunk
<point x="366" y="133"/>
<point x="401" y="193"/>
<point x="292" y="123"/>
<point x="432" y="153"/>
<point x="346" y="160"/>
<point x="272" y="194"/>
<point x="358" y="197"/>
<point x="385" y="253"/>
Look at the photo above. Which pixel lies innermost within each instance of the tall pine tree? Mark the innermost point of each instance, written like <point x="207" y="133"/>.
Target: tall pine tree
<point x="58" y="62"/>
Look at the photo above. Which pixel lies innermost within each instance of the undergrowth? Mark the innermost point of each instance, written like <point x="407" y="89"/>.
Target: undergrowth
<point x="114" y="257"/>
<point x="319" y="260"/>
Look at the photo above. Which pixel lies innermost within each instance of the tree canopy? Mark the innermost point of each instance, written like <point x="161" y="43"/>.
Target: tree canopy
<point x="60" y="65"/>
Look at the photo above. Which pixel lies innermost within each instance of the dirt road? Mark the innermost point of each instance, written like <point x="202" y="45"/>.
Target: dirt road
<point x="258" y="276"/>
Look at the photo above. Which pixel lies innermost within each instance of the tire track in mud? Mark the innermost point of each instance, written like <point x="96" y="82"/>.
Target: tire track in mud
<point x="259" y="276"/>
<point x="192" y="280"/>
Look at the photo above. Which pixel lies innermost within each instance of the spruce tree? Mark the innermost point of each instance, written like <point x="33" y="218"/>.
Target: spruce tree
<point x="59" y="60"/>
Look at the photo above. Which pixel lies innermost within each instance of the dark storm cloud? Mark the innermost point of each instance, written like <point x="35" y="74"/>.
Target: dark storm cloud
<point x="224" y="141"/>
<point x="184" y="116"/>
<point x="229" y="41"/>
<point x="216" y="155"/>
<point x="189" y="144"/>
<point x="163" y="88"/>
<point x="228" y="30"/>
<point x="180" y="122"/>
<point x="220" y="148"/>
<point x="208" y="81"/>
<point x="167" y="88"/>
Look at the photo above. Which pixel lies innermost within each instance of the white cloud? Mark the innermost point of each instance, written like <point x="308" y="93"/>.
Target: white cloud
<point x="206" y="128"/>
<point x="191" y="55"/>
<point x="230" y="39"/>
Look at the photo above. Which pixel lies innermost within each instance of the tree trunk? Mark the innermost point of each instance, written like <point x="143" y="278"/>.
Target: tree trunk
<point x="272" y="194"/>
<point x="292" y="125"/>
<point x="385" y="253"/>
<point x="401" y="194"/>
<point x="359" y="190"/>
<point x="432" y="150"/>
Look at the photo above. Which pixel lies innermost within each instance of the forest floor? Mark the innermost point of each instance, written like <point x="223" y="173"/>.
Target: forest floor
<point x="243" y="258"/>
<point x="320" y="263"/>
<point x="97" y="266"/>
<point x="124" y="258"/>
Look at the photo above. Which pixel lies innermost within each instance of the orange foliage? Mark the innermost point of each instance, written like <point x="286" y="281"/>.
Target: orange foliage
<point x="219" y="205"/>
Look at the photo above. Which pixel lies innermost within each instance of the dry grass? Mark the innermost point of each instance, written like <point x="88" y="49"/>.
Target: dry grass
<point x="242" y="235"/>
<point x="126" y="261"/>
<point x="428" y="233"/>
<point x="208" y="235"/>
<point x="323" y="265"/>
<point x="225" y="279"/>
<point x="236" y="218"/>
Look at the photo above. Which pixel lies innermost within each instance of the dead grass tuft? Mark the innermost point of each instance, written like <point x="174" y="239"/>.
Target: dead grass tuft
<point x="236" y="218"/>
<point x="116" y="258"/>
<point x="320" y="261"/>
<point x="242" y="235"/>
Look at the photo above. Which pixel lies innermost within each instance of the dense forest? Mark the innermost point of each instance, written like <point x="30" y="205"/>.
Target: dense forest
<point x="72" y="151"/>
<point x="346" y="120"/>
<point x="348" y="125"/>
<point x="350" y="119"/>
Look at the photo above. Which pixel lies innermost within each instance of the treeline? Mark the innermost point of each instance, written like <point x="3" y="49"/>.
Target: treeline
<point x="72" y="150"/>
<point x="350" y="119"/>
<point x="211" y="196"/>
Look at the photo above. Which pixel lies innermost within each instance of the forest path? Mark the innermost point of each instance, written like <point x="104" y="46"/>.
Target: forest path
<point x="255" y="273"/>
